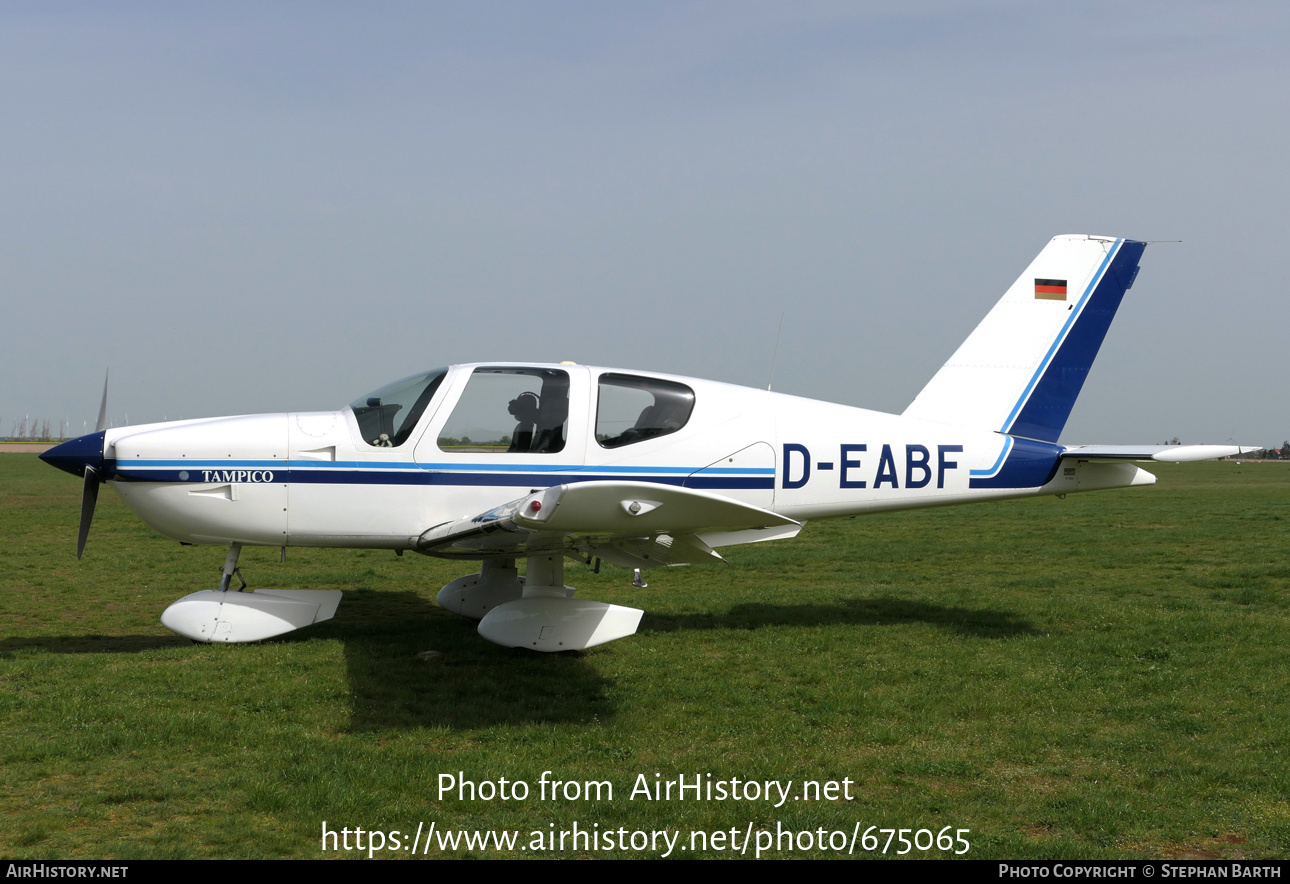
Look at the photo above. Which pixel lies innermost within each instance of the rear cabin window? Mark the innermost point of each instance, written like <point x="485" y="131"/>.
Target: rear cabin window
<point x="632" y="409"/>
<point x="510" y="411"/>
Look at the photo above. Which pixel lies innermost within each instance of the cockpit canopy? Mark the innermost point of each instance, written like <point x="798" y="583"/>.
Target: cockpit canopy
<point x="518" y="409"/>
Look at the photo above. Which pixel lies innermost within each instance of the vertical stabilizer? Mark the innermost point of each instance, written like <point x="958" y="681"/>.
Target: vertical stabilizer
<point x="1021" y="369"/>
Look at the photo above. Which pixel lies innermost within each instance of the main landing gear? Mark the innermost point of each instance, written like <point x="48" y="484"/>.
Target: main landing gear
<point x="224" y="615"/>
<point x="536" y="611"/>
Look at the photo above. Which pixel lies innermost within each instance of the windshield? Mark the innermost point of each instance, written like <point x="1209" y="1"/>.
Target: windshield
<point x="387" y="417"/>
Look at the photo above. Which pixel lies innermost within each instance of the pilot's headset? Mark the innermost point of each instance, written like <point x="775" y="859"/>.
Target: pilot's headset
<point x="524" y="407"/>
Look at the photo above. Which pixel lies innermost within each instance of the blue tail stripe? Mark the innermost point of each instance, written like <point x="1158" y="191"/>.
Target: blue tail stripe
<point x="1030" y="464"/>
<point x="1042" y="411"/>
<point x="1061" y="337"/>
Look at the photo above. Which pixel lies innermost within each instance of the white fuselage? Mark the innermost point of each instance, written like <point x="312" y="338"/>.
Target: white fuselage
<point x="309" y="479"/>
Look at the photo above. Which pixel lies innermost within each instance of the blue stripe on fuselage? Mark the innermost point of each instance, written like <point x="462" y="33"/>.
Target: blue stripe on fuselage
<point x="197" y="464"/>
<point x="197" y="473"/>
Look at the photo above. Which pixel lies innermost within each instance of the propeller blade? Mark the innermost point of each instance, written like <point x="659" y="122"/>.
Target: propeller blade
<point x="89" y="497"/>
<point x="102" y="425"/>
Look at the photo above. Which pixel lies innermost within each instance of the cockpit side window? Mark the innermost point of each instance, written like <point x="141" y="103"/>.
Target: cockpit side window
<point x="387" y="417"/>
<point x="632" y="409"/>
<point x="510" y="411"/>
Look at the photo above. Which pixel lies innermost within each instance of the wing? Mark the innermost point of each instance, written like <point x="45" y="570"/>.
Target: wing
<point x="630" y="524"/>
<point x="1159" y="453"/>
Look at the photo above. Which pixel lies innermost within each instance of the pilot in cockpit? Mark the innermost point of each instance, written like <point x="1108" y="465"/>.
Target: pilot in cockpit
<point x="525" y="409"/>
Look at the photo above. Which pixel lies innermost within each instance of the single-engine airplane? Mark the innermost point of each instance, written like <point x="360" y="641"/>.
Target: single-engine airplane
<point x="500" y="461"/>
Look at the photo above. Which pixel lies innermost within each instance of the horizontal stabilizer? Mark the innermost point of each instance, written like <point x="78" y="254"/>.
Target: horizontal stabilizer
<point x="1158" y="453"/>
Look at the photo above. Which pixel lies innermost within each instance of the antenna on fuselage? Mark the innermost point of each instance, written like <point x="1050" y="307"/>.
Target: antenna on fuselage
<point x="775" y="355"/>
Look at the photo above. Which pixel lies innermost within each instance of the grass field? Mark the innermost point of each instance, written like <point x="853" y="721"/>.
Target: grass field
<point x="1103" y="676"/>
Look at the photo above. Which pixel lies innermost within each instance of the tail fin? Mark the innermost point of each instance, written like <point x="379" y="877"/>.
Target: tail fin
<point x="1021" y="368"/>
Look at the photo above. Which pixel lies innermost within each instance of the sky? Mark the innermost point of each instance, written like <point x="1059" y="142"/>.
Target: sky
<point x="255" y="207"/>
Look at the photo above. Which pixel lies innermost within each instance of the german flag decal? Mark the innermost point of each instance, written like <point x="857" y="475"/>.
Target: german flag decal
<point x="1050" y="289"/>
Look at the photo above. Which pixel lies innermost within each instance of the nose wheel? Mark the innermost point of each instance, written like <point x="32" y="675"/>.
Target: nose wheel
<point x="230" y="569"/>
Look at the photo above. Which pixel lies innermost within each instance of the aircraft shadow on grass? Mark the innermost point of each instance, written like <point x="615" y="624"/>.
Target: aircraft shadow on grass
<point x="411" y="664"/>
<point x="88" y="644"/>
<point x="970" y="622"/>
<point x="387" y="634"/>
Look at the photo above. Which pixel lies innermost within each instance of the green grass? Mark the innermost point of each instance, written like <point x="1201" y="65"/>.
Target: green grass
<point x="1097" y="677"/>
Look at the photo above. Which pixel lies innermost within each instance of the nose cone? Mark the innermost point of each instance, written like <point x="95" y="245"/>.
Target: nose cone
<point x="75" y="455"/>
